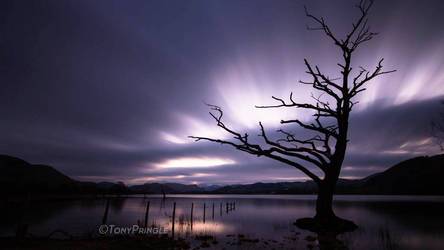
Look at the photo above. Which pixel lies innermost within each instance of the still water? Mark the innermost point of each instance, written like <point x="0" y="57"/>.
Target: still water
<point x="266" y="221"/>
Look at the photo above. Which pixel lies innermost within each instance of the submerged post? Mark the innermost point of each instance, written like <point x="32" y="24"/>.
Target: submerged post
<point x="192" y="208"/>
<point x="105" y="215"/>
<point x="204" y="213"/>
<point x="227" y="208"/>
<point x="147" y="213"/>
<point x="174" y="218"/>
<point x="221" y="209"/>
<point x="213" y="212"/>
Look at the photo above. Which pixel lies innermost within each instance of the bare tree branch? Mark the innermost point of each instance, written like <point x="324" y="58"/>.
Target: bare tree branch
<point x="320" y="162"/>
<point x="256" y="149"/>
<point x="358" y="82"/>
<point x="325" y="109"/>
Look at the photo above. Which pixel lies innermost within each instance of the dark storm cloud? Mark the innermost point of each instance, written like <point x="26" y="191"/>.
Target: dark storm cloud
<point x="94" y="87"/>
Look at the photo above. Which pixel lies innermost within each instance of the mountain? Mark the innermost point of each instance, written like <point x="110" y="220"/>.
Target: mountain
<point x="307" y="187"/>
<point x="158" y="188"/>
<point x="105" y="185"/>
<point x="18" y="174"/>
<point x="209" y="187"/>
<point x="420" y="175"/>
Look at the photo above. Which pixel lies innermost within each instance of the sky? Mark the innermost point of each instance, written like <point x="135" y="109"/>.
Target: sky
<point x="110" y="90"/>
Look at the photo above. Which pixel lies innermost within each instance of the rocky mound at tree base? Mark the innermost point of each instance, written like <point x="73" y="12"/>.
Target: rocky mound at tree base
<point x="334" y="226"/>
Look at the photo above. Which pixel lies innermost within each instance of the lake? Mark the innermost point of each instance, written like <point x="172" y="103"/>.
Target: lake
<point x="259" y="221"/>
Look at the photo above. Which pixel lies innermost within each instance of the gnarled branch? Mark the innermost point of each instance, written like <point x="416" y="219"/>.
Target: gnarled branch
<point x="256" y="149"/>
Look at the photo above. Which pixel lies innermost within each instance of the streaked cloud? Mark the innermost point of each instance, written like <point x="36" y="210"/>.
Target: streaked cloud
<point x="193" y="162"/>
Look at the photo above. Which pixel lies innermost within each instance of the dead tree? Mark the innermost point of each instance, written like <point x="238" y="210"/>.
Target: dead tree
<point x="326" y="149"/>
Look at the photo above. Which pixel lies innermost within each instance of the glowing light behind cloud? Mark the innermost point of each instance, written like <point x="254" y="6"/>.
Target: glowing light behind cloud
<point x="249" y="79"/>
<point x="172" y="138"/>
<point x="240" y="90"/>
<point x="415" y="147"/>
<point x="424" y="78"/>
<point x="194" y="162"/>
<point x="242" y="85"/>
<point x="192" y="126"/>
<point x="301" y="178"/>
<point x="170" y="178"/>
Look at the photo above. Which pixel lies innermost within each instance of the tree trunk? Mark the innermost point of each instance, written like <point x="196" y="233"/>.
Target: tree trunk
<point x="324" y="202"/>
<point x="325" y="221"/>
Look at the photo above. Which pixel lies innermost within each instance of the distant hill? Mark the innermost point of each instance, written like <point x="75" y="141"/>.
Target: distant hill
<point x="420" y="175"/>
<point x="210" y="187"/>
<point x="307" y="187"/>
<point x="156" y="188"/>
<point x="17" y="174"/>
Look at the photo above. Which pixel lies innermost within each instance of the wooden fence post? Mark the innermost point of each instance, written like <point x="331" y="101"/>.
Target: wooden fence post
<point x="105" y="215"/>
<point x="147" y="211"/>
<point x="192" y="208"/>
<point x="204" y="213"/>
<point x="174" y="219"/>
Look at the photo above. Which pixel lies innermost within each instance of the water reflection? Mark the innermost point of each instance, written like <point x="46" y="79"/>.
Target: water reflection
<point x="267" y="221"/>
